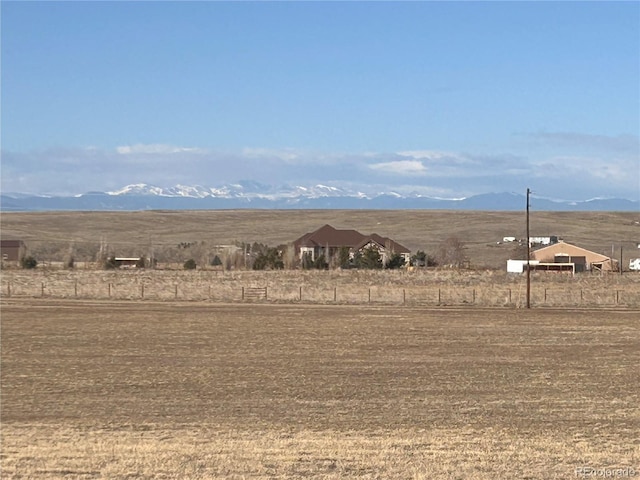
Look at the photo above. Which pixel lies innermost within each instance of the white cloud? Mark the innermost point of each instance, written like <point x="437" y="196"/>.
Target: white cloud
<point x="156" y="149"/>
<point x="430" y="155"/>
<point x="596" y="168"/>
<point x="286" y="155"/>
<point x="550" y="171"/>
<point x="621" y="144"/>
<point x="401" y="167"/>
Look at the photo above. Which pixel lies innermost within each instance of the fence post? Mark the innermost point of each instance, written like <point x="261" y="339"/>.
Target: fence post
<point x="474" y="295"/>
<point x="42" y="291"/>
<point x="510" y="297"/>
<point x="300" y="292"/>
<point x="369" y="295"/>
<point x="210" y="288"/>
<point x="618" y="294"/>
<point x="109" y="289"/>
<point x="404" y="296"/>
<point x="335" y="294"/>
<point x="545" y="295"/>
<point x="176" y="292"/>
<point x="265" y="293"/>
<point x="9" y="289"/>
<point x="439" y="298"/>
<point x="142" y="290"/>
<point x="242" y="293"/>
<point x="581" y="296"/>
<point x="75" y="289"/>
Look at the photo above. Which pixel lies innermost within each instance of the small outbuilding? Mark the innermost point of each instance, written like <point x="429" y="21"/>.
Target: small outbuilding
<point x="521" y="266"/>
<point x="12" y="250"/>
<point x="127" y="262"/>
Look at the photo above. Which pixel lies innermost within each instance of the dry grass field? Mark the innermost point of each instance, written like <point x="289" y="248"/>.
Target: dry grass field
<point x="51" y="233"/>
<point x="394" y="287"/>
<point x="108" y="389"/>
<point x="355" y="374"/>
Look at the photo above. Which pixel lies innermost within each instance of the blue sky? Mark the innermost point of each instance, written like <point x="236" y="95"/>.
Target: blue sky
<point x="446" y="98"/>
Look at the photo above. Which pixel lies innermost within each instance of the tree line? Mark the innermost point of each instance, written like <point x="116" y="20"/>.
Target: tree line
<point x="240" y="256"/>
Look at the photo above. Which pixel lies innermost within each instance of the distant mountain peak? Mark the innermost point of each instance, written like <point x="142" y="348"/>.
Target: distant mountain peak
<point x="251" y="194"/>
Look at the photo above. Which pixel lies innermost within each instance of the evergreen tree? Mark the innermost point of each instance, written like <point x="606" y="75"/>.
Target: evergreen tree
<point x="28" y="262"/>
<point x="369" y="258"/>
<point x="307" y="262"/>
<point x="321" y="263"/>
<point x="268" y="259"/>
<point x="344" y="259"/>
<point x="396" y="261"/>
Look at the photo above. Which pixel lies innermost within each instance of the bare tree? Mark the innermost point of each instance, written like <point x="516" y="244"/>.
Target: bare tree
<point x="103" y="252"/>
<point x="69" y="258"/>
<point x="451" y="252"/>
<point x="289" y="257"/>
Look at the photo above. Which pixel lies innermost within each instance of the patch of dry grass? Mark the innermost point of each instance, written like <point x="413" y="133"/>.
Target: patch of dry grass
<point x="202" y="452"/>
<point x="421" y="287"/>
<point x="137" y="233"/>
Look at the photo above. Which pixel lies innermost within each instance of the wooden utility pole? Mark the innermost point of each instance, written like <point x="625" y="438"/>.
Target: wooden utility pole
<point x="620" y="259"/>
<point x="528" y="255"/>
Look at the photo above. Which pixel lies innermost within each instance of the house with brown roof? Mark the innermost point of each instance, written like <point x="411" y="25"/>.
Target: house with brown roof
<point x="328" y="241"/>
<point x="583" y="259"/>
<point x="12" y="250"/>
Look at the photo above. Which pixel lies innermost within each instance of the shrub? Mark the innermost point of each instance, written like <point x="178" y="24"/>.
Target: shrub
<point x="28" y="262"/>
<point x="321" y="263"/>
<point x="421" y="259"/>
<point x="69" y="263"/>
<point x="396" y="261"/>
<point x="110" y="263"/>
<point x="307" y="262"/>
<point x="190" y="264"/>
<point x="269" y="259"/>
<point x="344" y="258"/>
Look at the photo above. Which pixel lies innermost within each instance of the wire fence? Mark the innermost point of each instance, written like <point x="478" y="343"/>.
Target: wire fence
<point x="200" y="289"/>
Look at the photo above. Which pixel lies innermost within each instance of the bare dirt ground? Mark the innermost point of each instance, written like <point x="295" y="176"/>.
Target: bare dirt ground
<point x="97" y="389"/>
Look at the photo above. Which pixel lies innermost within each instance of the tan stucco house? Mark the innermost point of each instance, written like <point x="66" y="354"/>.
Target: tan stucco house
<point x="584" y="260"/>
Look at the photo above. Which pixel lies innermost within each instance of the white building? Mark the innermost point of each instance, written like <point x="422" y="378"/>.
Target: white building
<point x="518" y="266"/>
<point x="543" y="240"/>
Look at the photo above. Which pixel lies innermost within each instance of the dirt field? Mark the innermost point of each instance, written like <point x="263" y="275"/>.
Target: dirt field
<point x="98" y="389"/>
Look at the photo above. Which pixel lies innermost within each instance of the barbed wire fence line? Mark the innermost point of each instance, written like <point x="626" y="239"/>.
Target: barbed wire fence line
<point x="223" y="289"/>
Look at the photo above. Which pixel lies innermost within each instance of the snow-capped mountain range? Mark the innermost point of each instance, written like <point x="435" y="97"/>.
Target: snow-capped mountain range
<point x="244" y="189"/>
<point x="250" y="194"/>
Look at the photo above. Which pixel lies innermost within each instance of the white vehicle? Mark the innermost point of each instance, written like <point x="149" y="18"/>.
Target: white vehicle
<point x="634" y="264"/>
